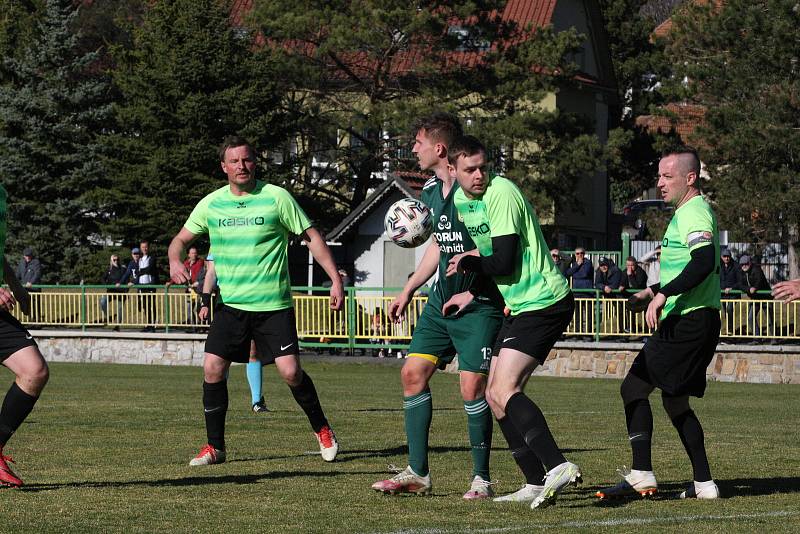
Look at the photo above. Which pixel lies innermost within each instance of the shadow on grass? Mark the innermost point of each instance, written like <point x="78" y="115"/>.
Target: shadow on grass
<point x="193" y="481"/>
<point x="735" y="487"/>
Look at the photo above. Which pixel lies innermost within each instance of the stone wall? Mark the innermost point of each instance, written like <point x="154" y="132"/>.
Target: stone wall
<point x="732" y="363"/>
<point x="770" y="364"/>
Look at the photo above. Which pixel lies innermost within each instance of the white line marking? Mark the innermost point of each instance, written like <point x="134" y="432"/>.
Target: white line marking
<point x="598" y="523"/>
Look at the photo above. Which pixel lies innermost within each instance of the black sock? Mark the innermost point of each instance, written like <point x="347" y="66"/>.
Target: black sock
<point x="16" y="407"/>
<point x="530" y="423"/>
<point x="639" y="419"/>
<point x="691" y="432"/>
<point x="527" y="462"/>
<point x="306" y="396"/>
<point x="215" y="406"/>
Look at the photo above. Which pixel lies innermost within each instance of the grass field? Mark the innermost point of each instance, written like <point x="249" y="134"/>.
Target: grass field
<point x="107" y="449"/>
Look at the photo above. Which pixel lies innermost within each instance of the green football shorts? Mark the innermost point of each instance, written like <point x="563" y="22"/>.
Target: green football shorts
<point x="471" y="335"/>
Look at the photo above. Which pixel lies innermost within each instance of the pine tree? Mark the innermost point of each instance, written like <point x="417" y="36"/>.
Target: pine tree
<point x="639" y="67"/>
<point x="357" y="73"/>
<point x="741" y="60"/>
<point x="53" y="107"/>
<point x="186" y="81"/>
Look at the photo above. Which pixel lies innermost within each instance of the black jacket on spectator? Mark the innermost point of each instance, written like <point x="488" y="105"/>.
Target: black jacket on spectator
<point x="728" y="277"/>
<point x="114" y="275"/>
<point x="29" y="271"/>
<point x="753" y="277"/>
<point x="581" y="274"/>
<point x="637" y="280"/>
<point x="610" y="278"/>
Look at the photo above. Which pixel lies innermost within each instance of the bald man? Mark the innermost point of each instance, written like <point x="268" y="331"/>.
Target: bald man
<point x="684" y="309"/>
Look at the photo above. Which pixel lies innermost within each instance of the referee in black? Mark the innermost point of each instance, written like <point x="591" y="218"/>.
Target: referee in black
<point x="685" y="310"/>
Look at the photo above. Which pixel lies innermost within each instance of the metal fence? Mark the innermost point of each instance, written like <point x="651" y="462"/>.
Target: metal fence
<point x="363" y="322"/>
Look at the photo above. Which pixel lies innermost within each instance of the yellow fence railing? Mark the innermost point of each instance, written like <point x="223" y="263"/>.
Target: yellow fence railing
<point x="363" y="321"/>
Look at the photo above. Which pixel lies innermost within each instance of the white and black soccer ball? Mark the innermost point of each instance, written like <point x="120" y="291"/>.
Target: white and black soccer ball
<point x="408" y="222"/>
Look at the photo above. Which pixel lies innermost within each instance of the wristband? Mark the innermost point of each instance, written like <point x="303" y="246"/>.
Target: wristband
<point x="205" y="300"/>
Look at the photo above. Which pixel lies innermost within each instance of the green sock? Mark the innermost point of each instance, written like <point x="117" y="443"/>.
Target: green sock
<point x="479" y="424"/>
<point x="418" y="411"/>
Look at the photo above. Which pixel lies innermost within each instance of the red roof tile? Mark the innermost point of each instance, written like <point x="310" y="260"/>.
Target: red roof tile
<point x="687" y="117"/>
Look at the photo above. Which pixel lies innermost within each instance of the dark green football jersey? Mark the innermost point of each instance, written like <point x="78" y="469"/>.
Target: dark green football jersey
<point x="453" y="238"/>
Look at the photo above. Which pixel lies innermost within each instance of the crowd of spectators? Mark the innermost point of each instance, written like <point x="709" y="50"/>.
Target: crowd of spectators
<point x="738" y="278"/>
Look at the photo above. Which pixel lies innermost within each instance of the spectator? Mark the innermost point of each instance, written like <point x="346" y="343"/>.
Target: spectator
<point x="727" y="283"/>
<point x="113" y="277"/>
<point x="194" y="265"/>
<point x="750" y="280"/>
<point x="132" y="270"/>
<point x="29" y="272"/>
<point x="148" y="275"/>
<point x="651" y="263"/>
<point x="632" y="278"/>
<point x="380" y="327"/>
<point x="607" y="279"/>
<point x="560" y="262"/>
<point x="581" y="274"/>
<point x="29" y="269"/>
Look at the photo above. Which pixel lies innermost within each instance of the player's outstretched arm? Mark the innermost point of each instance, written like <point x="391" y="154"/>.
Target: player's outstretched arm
<point x="787" y="291"/>
<point x="322" y="253"/>
<point x="177" y="271"/>
<point x="427" y="266"/>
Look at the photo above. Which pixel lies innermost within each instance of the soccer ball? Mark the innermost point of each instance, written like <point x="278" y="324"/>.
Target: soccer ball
<point x="408" y="222"/>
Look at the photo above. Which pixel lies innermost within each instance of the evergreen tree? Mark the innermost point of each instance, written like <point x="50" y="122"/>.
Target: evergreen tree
<point x="358" y="72"/>
<point x="50" y="159"/>
<point x="639" y="66"/>
<point x="741" y="60"/>
<point x="187" y="80"/>
<point x="17" y="25"/>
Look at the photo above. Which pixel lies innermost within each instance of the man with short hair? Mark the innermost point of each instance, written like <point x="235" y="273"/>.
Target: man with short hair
<point x="248" y="222"/>
<point x="147" y="275"/>
<point x="581" y="272"/>
<point x="685" y="310"/>
<point x="438" y="336"/>
<point x="633" y="277"/>
<point x="512" y="250"/>
<point x="19" y="354"/>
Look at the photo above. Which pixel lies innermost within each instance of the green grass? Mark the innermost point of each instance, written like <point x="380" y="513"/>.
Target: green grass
<point x="107" y="449"/>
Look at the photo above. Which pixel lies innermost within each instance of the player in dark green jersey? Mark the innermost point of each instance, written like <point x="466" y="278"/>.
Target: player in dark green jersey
<point x="512" y="250"/>
<point x="248" y="223"/>
<point x="438" y="336"/>
<point x="19" y="354"/>
<point x="675" y="358"/>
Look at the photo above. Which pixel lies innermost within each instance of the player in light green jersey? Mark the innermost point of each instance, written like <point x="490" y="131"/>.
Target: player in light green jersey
<point x="248" y="223"/>
<point x="685" y="308"/>
<point x="512" y="249"/>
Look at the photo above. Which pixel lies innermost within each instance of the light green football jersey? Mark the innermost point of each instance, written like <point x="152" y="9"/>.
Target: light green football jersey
<point x="3" y="218"/>
<point x="249" y="235"/>
<point x="694" y="225"/>
<point x="536" y="282"/>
